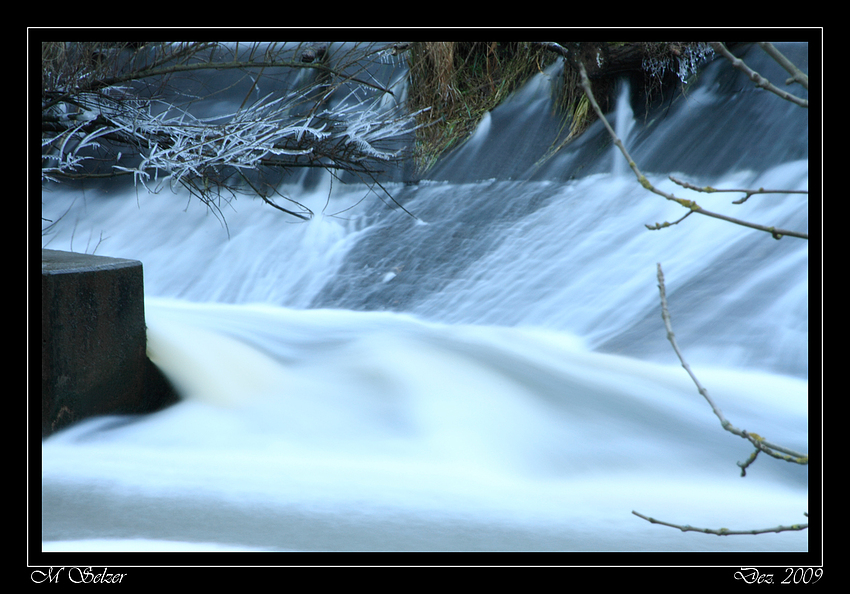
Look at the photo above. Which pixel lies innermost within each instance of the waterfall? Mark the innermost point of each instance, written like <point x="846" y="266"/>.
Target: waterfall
<point x="486" y="369"/>
<point x="623" y="124"/>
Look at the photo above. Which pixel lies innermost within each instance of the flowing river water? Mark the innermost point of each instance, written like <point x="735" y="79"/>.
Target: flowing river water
<point x="491" y="373"/>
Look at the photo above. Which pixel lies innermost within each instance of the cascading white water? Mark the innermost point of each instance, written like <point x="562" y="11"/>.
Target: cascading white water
<point x="493" y="375"/>
<point x="623" y="123"/>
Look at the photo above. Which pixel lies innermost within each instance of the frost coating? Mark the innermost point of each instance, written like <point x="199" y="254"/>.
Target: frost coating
<point x="182" y="145"/>
<point x="684" y="62"/>
<point x="145" y="112"/>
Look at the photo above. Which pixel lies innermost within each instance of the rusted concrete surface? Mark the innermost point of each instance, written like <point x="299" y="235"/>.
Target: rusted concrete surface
<point x="93" y="351"/>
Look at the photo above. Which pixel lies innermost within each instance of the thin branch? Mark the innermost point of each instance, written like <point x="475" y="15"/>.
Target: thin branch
<point x="760" y="443"/>
<point x="262" y="194"/>
<point x="690" y="204"/>
<point x="235" y="64"/>
<point x="723" y="531"/>
<point x="754" y="76"/>
<point x="797" y="75"/>
<point x="747" y="192"/>
<point x="170" y="63"/>
<point x="201" y="154"/>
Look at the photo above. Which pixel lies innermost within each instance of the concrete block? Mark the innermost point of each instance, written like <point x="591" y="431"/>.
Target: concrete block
<point x="93" y="335"/>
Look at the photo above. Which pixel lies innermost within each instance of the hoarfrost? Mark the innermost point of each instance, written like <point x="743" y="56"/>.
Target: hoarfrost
<point x="684" y="65"/>
<point x="182" y="146"/>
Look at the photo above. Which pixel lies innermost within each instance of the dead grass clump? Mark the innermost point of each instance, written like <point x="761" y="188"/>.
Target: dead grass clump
<point x="461" y="81"/>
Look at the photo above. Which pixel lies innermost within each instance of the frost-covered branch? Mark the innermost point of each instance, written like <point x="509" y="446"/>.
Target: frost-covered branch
<point x="759" y="442"/>
<point x="100" y="123"/>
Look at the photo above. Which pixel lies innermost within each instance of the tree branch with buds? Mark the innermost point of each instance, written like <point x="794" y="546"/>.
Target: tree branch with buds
<point x="760" y="443"/>
<point x="761" y="82"/>
<point x="723" y="531"/>
<point x="691" y="205"/>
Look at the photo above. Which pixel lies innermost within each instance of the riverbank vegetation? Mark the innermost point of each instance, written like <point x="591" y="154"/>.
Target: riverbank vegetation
<point x="460" y="81"/>
<point x="134" y="109"/>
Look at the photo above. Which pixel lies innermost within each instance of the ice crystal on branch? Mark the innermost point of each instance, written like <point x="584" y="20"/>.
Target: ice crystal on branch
<point x="121" y="124"/>
<point x="682" y="59"/>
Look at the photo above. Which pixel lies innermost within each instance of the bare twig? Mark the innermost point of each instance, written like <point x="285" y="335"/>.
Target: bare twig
<point x="760" y="443"/>
<point x="690" y="204"/>
<point x="747" y="192"/>
<point x="722" y="531"/>
<point x="754" y="76"/>
<point x="234" y="65"/>
<point x="797" y="75"/>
